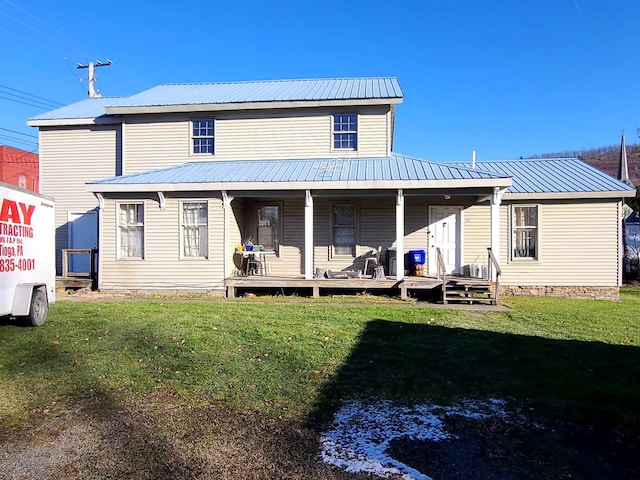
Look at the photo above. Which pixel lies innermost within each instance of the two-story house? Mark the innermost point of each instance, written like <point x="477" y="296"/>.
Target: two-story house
<point x="168" y="182"/>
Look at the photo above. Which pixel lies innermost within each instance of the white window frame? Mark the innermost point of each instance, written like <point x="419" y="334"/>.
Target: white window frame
<point x="353" y="131"/>
<point x="335" y="254"/>
<point x="532" y="228"/>
<point x="195" y="137"/>
<point x="121" y="226"/>
<point x="279" y="230"/>
<point x="184" y="255"/>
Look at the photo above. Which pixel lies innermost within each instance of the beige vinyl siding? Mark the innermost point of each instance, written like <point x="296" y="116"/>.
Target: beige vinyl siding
<point x="155" y="143"/>
<point x="162" y="141"/>
<point x="477" y="236"/>
<point x="578" y="244"/>
<point x="289" y="262"/>
<point x="162" y="268"/>
<point x="375" y="227"/>
<point x="69" y="157"/>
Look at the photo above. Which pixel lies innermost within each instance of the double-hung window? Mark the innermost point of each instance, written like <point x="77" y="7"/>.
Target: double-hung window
<point x="269" y="227"/>
<point x="131" y="230"/>
<point x="202" y="136"/>
<point x="345" y="131"/>
<point x="195" y="230"/>
<point x="343" y="226"/>
<point x="524" y="232"/>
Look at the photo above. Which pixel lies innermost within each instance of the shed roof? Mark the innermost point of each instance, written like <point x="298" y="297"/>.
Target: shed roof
<point x="553" y="176"/>
<point x="396" y="171"/>
<point x="266" y="93"/>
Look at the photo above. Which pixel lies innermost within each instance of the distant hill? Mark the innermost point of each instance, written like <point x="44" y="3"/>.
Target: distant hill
<point x="605" y="159"/>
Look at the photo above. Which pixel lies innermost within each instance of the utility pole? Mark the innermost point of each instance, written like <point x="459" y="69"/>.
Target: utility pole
<point x="92" y="78"/>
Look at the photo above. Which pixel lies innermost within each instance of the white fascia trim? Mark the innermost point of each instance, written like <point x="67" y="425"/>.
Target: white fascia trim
<point x="343" y="185"/>
<point x="63" y="122"/>
<point x="568" y="195"/>
<point x="213" y="107"/>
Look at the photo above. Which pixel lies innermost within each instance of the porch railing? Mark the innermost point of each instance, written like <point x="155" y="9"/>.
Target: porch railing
<point x="493" y="266"/>
<point x="442" y="273"/>
<point x="68" y="253"/>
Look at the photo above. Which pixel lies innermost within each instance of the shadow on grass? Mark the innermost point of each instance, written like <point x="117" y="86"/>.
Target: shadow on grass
<point x="582" y="399"/>
<point x="130" y="444"/>
<point x="582" y="380"/>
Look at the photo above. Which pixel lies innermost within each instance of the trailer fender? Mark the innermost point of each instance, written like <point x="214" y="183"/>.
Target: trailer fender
<point x="22" y="298"/>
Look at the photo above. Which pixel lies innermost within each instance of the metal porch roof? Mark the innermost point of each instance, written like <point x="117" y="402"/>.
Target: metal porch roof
<point x="396" y="168"/>
<point x="553" y="175"/>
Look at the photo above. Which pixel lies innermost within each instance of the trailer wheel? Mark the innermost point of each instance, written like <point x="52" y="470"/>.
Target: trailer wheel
<point x="38" y="309"/>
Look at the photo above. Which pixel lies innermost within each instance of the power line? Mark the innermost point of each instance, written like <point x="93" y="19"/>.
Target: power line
<point x="21" y="98"/>
<point x="18" y="140"/>
<point x="25" y="103"/>
<point x="53" y="102"/>
<point x="19" y="133"/>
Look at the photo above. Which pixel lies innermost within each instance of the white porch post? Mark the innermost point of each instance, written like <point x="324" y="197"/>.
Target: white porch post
<point x="400" y="235"/>
<point x="226" y="203"/>
<point x="496" y="201"/>
<point x="308" y="235"/>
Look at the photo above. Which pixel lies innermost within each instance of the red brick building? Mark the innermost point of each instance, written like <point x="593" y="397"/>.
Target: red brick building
<point x="20" y="168"/>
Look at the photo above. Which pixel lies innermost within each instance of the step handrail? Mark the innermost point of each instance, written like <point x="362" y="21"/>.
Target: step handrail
<point x="492" y="263"/>
<point x="442" y="273"/>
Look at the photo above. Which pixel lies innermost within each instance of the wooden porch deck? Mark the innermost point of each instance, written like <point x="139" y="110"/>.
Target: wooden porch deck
<point x="314" y="287"/>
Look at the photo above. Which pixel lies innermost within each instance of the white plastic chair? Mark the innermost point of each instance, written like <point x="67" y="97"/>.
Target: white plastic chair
<point x="373" y="261"/>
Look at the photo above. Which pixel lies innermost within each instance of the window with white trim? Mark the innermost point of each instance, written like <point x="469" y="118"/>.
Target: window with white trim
<point x="131" y="230"/>
<point x="202" y="137"/>
<point x="343" y="225"/>
<point x="345" y="131"/>
<point x="195" y="230"/>
<point x="524" y="232"/>
<point x="269" y="227"/>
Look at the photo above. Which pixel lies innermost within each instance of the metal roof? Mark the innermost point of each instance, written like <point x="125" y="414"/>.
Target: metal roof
<point x="89" y="108"/>
<point x="269" y="91"/>
<point x="552" y="175"/>
<point x="396" y="168"/>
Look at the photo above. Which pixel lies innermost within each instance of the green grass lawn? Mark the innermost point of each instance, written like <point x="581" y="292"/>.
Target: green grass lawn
<point x="570" y="358"/>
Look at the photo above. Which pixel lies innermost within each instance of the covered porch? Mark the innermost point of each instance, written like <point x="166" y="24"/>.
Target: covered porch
<point x="441" y="287"/>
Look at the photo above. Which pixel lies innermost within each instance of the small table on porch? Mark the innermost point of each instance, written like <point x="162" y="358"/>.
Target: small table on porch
<point x="255" y="261"/>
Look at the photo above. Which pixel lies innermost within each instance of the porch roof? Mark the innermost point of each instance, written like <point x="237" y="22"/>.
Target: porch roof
<point x="394" y="172"/>
<point x="555" y="177"/>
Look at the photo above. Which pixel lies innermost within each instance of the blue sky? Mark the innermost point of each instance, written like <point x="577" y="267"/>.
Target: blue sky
<point x="504" y="77"/>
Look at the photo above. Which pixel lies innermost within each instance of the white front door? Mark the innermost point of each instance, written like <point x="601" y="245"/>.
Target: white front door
<point x="83" y="233"/>
<point x="444" y="232"/>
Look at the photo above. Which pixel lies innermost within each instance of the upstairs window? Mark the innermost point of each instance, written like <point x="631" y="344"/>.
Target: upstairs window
<point x="345" y="131"/>
<point x="524" y="232"/>
<point x="131" y="230"/>
<point x="195" y="229"/>
<point x="202" y="136"/>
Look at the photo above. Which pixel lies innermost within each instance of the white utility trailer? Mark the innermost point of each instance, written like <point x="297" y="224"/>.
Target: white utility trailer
<point x="27" y="254"/>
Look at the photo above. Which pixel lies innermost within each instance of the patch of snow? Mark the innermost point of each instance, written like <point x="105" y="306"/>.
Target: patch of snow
<point x="360" y="434"/>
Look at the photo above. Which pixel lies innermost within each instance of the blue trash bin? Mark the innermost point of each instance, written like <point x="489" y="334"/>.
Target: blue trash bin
<point x="417" y="257"/>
